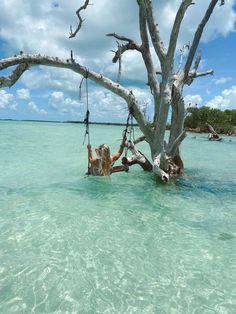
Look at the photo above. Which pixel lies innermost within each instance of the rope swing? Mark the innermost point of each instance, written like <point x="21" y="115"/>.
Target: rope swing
<point x="129" y="128"/>
<point x="86" y="118"/>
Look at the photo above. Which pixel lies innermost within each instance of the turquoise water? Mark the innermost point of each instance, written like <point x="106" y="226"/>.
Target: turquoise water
<point x="76" y="244"/>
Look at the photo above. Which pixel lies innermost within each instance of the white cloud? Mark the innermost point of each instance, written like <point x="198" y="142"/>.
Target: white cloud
<point x="227" y="100"/>
<point x="192" y="99"/>
<point x="34" y="108"/>
<point x="57" y="96"/>
<point x="62" y="104"/>
<point x="222" y="80"/>
<point x="7" y="100"/>
<point x="51" y="78"/>
<point x="104" y="104"/>
<point x="23" y="93"/>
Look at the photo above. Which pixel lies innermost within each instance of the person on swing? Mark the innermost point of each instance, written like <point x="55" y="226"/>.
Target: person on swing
<point x="102" y="165"/>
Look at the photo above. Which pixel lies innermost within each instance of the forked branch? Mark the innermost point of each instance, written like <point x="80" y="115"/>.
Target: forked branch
<point x="193" y="73"/>
<point x="131" y="45"/>
<point x="83" y="7"/>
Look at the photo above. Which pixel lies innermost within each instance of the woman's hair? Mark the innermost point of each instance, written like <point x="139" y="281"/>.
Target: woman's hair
<point x="106" y="163"/>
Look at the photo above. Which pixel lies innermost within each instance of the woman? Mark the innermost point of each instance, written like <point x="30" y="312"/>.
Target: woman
<point x="102" y="165"/>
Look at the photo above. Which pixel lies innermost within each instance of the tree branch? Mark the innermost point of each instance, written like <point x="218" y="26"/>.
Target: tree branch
<point x="131" y="45"/>
<point x="147" y="58"/>
<point x="119" y="37"/>
<point x="197" y="61"/>
<point x="154" y="31"/>
<point x="186" y="46"/>
<point x="10" y="80"/>
<point x="120" y="66"/>
<point x="83" y="7"/>
<point x="175" y="30"/>
<point x="176" y="143"/>
<point x="140" y="139"/>
<point x="193" y="75"/>
<point x="197" y="37"/>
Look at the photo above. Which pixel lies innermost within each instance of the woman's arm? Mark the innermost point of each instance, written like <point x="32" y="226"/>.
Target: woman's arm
<point x="120" y="151"/>
<point x="90" y="155"/>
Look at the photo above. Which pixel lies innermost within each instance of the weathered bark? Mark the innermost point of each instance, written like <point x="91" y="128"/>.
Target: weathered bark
<point x="136" y="158"/>
<point x="213" y="135"/>
<point x="166" y="92"/>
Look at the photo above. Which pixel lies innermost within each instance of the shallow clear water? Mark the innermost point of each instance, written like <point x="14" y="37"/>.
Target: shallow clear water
<point x="76" y="244"/>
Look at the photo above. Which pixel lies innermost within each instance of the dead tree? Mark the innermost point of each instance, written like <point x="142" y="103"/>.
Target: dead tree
<point x="213" y="135"/>
<point x="166" y="94"/>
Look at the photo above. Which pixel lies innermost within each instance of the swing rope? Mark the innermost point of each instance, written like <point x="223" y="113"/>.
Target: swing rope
<point x="86" y="119"/>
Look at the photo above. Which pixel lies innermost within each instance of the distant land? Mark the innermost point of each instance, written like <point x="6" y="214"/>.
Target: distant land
<point x="187" y="128"/>
<point x="80" y="122"/>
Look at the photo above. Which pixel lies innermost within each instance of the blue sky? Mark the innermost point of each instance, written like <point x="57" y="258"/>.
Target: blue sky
<point x="53" y="94"/>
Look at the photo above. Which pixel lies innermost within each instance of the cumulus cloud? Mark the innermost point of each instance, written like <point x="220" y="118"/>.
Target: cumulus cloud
<point x="23" y="93"/>
<point x="51" y="78"/>
<point x="62" y="104"/>
<point x="227" y="100"/>
<point x="7" y="100"/>
<point x="34" y="108"/>
<point x="105" y="105"/>
<point x="192" y="99"/>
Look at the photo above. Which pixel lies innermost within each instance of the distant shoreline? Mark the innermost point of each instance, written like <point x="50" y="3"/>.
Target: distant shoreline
<point x="75" y="122"/>
<point x="191" y="130"/>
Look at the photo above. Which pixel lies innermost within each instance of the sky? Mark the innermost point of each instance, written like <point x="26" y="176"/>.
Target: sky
<point x="44" y="93"/>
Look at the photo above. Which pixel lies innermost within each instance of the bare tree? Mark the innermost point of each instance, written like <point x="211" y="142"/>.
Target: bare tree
<point x="167" y="92"/>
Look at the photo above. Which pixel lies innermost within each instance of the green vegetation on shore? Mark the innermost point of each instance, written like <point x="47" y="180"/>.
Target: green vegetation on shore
<point x="224" y="122"/>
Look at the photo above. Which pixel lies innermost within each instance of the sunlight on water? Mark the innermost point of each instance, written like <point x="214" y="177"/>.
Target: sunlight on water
<point x="76" y="244"/>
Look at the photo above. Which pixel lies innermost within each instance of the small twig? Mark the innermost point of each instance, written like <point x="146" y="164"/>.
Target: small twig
<point x="192" y="75"/>
<point x="120" y="37"/>
<point x="71" y="56"/>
